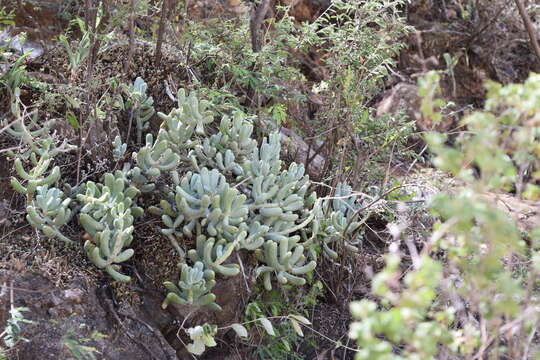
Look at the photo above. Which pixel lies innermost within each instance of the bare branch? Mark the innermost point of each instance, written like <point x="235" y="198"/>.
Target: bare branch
<point x="255" y="25"/>
<point x="131" y="35"/>
<point x="529" y="27"/>
<point x="161" y="30"/>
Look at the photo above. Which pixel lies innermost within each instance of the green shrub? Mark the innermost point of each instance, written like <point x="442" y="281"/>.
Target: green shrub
<point x="481" y="300"/>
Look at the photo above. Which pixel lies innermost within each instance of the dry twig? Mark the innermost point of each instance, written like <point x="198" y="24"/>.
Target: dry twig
<point x="161" y="30"/>
<point x="529" y="27"/>
<point x="132" y="6"/>
<point x="255" y="25"/>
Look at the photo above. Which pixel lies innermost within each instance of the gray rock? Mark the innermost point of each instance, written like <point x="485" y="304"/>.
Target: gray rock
<point x="74" y="315"/>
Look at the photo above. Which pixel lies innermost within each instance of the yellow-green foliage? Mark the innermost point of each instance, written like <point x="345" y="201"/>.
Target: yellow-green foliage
<point x="492" y="268"/>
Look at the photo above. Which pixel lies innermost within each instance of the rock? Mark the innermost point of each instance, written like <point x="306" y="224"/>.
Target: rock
<point x="526" y="213"/>
<point x="305" y="10"/>
<point x="403" y="97"/>
<point x="19" y="45"/>
<point x="76" y="315"/>
<point x="38" y="22"/>
<point x="297" y="149"/>
<point x="229" y="293"/>
<point x="5" y="211"/>
<point x="73" y="295"/>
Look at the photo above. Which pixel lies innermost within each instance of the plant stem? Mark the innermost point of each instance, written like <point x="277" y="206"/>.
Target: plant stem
<point x="529" y="27"/>
<point x="161" y="30"/>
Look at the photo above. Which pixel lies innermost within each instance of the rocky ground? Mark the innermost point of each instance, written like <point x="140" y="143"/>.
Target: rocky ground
<point x="72" y="304"/>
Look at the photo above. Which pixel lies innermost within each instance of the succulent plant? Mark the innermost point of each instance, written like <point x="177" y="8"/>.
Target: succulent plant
<point x="193" y="288"/>
<point x="206" y="201"/>
<point x="264" y="160"/>
<point x="183" y="122"/>
<point x="107" y="216"/>
<point x="40" y="150"/>
<point x="37" y="176"/>
<point x="343" y="218"/>
<point x="264" y="208"/>
<point x="137" y="179"/>
<point x="277" y="199"/>
<point x="101" y="202"/>
<point x="176" y="132"/>
<point x="271" y="206"/>
<point x="49" y="212"/>
<point x="285" y="259"/>
<point x="32" y="133"/>
<point x="265" y="211"/>
<point x="209" y="155"/>
<point x="140" y="104"/>
<point x="213" y="254"/>
<point x="337" y="225"/>
<point x="107" y="247"/>
<point x="194" y="111"/>
<point x="156" y="157"/>
<point x="274" y="195"/>
<point x="119" y="149"/>
<point x="37" y="138"/>
<point x="251" y="237"/>
<point x="228" y="148"/>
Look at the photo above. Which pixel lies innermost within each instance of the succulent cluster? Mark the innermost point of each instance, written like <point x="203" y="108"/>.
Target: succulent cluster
<point x="184" y="122"/>
<point x="36" y="176"/>
<point x="40" y="150"/>
<point x="284" y="259"/>
<point x="49" y="212"/>
<point x="47" y="207"/>
<point x="36" y="136"/>
<point x="107" y="216"/>
<point x="155" y="157"/>
<point x="341" y="223"/>
<point x="227" y="149"/>
<point x="140" y="105"/>
<point x="206" y="200"/>
<point x="237" y="197"/>
<point x="213" y="254"/>
<point x="193" y="288"/>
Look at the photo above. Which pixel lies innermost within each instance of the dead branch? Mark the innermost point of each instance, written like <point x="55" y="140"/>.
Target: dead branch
<point x="91" y="18"/>
<point x="529" y="27"/>
<point x="161" y="30"/>
<point x="132" y="6"/>
<point x="257" y="17"/>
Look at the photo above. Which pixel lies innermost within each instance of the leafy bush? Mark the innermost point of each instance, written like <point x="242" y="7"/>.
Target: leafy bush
<point x="481" y="299"/>
<point x="228" y="62"/>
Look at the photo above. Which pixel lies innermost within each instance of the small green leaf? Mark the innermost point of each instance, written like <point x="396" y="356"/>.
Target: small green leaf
<point x="240" y="330"/>
<point x="300" y="318"/>
<point x="72" y="120"/>
<point x="296" y="327"/>
<point x="286" y="344"/>
<point x="267" y="326"/>
<point x="196" y="348"/>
